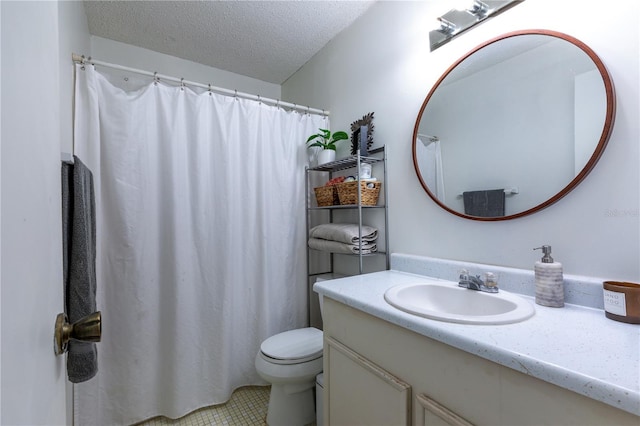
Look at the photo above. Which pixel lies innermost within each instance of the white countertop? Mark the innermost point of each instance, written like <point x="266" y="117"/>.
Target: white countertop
<point x="574" y="347"/>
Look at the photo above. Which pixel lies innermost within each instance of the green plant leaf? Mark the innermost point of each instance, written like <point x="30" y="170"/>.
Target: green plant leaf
<point x="338" y="136"/>
<point x="312" y="137"/>
<point x="327" y="141"/>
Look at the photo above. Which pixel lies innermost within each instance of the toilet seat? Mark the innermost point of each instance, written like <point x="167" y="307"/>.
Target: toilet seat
<point x="293" y="346"/>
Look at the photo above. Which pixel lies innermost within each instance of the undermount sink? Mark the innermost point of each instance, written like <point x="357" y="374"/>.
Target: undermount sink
<point x="445" y="301"/>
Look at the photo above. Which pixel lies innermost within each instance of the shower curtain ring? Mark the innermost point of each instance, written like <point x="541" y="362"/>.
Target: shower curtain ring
<point x="259" y="100"/>
<point x="308" y="110"/>
<point x="182" y="84"/>
<point x="278" y="103"/>
<point x="155" y="78"/>
<point x="235" y="95"/>
<point x="210" y="90"/>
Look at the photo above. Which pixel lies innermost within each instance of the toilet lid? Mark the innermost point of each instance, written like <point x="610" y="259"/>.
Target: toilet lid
<point x="294" y="344"/>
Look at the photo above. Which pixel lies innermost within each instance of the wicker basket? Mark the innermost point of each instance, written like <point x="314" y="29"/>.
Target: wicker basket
<point x="348" y="193"/>
<point x="327" y="196"/>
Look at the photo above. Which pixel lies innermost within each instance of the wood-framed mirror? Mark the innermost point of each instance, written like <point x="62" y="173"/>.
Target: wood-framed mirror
<point x="514" y="125"/>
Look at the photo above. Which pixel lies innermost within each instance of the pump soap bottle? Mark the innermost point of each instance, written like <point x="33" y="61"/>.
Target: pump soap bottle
<point x="549" y="281"/>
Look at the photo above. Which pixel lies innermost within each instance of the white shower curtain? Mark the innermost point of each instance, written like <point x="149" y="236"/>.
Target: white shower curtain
<point x="430" y="165"/>
<point x="201" y="242"/>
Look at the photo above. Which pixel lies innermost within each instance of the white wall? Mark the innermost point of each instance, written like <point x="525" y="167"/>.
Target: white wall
<point x="383" y="64"/>
<point x="37" y="38"/>
<point x="148" y="60"/>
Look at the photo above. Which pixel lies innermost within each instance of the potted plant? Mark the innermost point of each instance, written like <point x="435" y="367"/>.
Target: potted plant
<point x="327" y="142"/>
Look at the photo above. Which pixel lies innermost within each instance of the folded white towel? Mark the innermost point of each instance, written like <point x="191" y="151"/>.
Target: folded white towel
<point x="343" y="232"/>
<point x="337" y="247"/>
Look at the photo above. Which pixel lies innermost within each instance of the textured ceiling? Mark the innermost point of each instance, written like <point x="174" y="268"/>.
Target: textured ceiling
<point x="267" y="40"/>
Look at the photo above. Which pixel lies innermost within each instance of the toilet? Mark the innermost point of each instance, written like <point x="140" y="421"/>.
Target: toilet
<point x="291" y="362"/>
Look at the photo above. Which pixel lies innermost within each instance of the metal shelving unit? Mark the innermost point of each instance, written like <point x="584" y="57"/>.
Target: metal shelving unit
<point x="374" y="156"/>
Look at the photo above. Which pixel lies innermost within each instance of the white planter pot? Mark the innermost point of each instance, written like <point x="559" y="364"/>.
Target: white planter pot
<point x="326" y="156"/>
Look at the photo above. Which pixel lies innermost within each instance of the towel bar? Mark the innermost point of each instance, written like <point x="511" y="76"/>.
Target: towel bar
<point x="507" y="191"/>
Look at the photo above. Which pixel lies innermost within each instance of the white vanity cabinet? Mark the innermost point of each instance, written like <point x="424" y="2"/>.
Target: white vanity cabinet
<point x="377" y="373"/>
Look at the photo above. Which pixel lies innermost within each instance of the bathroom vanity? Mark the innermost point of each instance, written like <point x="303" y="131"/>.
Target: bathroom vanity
<point x="562" y="366"/>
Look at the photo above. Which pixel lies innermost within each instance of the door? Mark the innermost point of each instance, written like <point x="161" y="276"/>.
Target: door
<point x="33" y="383"/>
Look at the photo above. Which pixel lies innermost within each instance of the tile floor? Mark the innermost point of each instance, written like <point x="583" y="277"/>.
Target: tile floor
<point x="247" y="407"/>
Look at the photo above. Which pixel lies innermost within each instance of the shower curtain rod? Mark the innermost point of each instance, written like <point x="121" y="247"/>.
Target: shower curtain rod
<point x="81" y="59"/>
<point x="429" y="137"/>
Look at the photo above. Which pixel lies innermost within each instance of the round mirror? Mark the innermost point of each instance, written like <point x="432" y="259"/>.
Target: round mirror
<point x="514" y="125"/>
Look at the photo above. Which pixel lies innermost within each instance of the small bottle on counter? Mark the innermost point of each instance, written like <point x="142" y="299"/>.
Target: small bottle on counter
<point x="549" y="280"/>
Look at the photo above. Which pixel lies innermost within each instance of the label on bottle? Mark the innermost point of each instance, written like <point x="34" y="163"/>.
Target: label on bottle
<point x="615" y="303"/>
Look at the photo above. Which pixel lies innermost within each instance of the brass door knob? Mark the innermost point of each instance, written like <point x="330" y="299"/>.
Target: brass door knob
<point x="87" y="329"/>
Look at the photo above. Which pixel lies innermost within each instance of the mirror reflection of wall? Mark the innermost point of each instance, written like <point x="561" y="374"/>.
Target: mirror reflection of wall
<point x="526" y="112"/>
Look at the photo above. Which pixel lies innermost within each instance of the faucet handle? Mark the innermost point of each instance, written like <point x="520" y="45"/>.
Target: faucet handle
<point x="490" y="280"/>
<point x="463" y="279"/>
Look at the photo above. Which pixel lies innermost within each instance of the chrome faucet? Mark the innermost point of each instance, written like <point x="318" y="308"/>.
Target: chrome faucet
<point x="490" y="285"/>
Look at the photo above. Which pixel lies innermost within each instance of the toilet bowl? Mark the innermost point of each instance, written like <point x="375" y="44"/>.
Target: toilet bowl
<point x="290" y="361"/>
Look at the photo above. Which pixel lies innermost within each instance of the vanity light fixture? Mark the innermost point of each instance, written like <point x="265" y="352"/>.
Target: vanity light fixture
<point x="465" y="16"/>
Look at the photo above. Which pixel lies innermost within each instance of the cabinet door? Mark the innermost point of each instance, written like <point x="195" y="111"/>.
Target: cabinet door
<point x="431" y="413"/>
<point x="358" y="392"/>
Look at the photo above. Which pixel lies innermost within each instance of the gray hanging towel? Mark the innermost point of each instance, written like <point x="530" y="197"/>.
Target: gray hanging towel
<point x="488" y="203"/>
<point x="79" y="262"/>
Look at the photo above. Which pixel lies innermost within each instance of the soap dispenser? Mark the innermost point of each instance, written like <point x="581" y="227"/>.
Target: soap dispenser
<point x="549" y="281"/>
